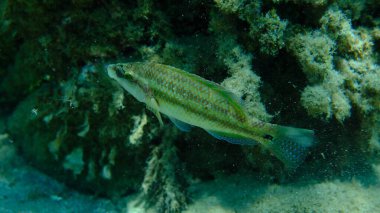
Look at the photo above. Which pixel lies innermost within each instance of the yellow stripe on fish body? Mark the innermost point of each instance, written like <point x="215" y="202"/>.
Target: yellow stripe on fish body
<point x="191" y="100"/>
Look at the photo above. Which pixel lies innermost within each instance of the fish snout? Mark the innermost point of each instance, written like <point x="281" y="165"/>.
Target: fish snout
<point x="115" y="71"/>
<point x="111" y="71"/>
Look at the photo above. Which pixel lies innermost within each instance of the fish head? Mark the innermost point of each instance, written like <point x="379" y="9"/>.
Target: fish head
<point x="121" y="71"/>
<point x="126" y="77"/>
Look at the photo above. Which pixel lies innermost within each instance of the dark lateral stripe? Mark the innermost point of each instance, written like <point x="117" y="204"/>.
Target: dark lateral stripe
<point x="160" y="82"/>
<point x="201" y="113"/>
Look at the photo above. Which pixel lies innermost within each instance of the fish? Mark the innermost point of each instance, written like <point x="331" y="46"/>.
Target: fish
<point x="192" y="101"/>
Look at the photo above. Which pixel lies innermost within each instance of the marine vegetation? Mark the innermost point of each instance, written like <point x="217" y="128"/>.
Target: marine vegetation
<point x="271" y="63"/>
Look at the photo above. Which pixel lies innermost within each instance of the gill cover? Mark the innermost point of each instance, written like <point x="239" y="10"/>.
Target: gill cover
<point x="128" y="82"/>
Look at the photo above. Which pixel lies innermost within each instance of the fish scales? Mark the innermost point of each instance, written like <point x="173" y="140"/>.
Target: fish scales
<point x="169" y="83"/>
<point x="193" y="95"/>
<point x="189" y="99"/>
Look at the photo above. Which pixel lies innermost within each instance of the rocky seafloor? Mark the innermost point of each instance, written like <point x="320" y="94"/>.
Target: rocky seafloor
<point x="24" y="189"/>
<point x="72" y="140"/>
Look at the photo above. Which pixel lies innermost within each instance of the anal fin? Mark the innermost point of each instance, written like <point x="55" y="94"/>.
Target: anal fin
<point x="234" y="139"/>
<point x="180" y="124"/>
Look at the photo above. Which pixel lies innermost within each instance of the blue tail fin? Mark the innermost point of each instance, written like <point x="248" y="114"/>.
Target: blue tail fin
<point x="291" y="145"/>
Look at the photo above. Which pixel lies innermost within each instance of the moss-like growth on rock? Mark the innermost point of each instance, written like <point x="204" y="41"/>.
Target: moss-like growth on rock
<point x="309" y="64"/>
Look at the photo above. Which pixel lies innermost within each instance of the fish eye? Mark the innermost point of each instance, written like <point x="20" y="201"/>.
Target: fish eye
<point x="125" y="71"/>
<point x="119" y="71"/>
<point x="268" y="137"/>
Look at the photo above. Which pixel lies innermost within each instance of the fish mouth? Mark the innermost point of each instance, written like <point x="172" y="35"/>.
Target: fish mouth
<point x="111" y="71"/>
<point x="115" y="71"/>
<point x="111" y="67"/>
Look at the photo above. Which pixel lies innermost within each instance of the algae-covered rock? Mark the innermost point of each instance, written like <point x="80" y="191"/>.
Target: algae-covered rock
<point x="302" y="63"/>
<point x="83" y="132"/>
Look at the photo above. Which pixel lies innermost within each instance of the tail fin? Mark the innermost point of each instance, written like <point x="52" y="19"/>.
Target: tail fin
<point x="290" y="145"/>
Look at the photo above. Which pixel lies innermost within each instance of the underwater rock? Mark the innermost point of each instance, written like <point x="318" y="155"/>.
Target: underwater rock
<point x="162" y="186"/>
<point x="309" y="64"/>
<point x="78" y="133"/>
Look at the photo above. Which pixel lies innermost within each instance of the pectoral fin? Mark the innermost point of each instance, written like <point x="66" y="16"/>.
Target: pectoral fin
<point x="152" y="105"/>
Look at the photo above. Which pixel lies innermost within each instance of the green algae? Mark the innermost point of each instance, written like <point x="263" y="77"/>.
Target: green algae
<point x="310" y="64"/>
